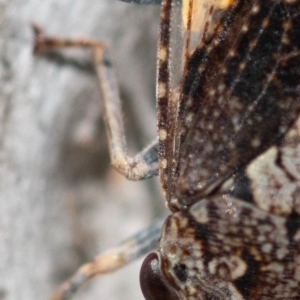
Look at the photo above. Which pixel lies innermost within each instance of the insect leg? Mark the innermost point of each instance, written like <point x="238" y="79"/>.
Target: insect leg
<point x="44" y="44"/>
<point x="144" y="164"/>
<point x="136" y="246"/>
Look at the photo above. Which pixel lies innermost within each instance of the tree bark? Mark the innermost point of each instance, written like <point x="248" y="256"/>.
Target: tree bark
<point x="60" y="201"/>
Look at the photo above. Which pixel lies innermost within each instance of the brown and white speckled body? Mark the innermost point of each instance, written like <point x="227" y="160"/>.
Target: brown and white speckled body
<point x="229" y="152"/>
<point x="225" y="248"/>
<point x="228" y="249"/>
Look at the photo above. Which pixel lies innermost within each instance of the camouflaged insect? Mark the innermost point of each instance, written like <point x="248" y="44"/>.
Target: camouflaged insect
<point x="228" y="100"/>
<point x="229" y="171"/>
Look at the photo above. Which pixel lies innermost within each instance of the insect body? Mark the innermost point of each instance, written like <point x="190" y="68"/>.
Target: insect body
<point x="224" y="247"/>
<point x="228" y="100"/>
<point x="237" y="98"/>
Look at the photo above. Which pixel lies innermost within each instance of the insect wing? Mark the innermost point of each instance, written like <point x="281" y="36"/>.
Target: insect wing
<point x="183" y="26"/>
<point x="240" y="92"/>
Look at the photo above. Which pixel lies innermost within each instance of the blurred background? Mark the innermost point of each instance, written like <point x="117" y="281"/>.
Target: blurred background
<point x="60" y="201"/>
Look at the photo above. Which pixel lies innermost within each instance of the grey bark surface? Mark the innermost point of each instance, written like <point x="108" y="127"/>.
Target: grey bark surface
<point x="60" y="201"/>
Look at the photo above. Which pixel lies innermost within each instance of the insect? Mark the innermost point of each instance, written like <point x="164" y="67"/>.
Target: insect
<point x="228" y="102"/>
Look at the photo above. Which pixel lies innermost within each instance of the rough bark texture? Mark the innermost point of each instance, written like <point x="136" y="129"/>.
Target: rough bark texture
<point x="60" y="201"/>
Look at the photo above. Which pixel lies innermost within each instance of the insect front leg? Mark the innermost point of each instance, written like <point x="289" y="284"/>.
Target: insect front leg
<point x="132" y="248"/>
<point x="144" y="164"/>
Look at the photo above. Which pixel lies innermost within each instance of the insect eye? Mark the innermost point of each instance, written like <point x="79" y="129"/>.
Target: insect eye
<point x="153" y="283"/>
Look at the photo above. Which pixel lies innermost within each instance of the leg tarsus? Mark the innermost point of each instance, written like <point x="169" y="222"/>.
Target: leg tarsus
<point x="149" y="157"/>
<point x="142" y="166"/>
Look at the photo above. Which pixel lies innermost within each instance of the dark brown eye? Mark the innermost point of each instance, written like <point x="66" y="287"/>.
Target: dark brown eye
<point x="153" y="284"/>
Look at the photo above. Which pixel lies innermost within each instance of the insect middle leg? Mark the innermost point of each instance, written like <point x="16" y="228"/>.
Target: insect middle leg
<point x="142" y="165"/>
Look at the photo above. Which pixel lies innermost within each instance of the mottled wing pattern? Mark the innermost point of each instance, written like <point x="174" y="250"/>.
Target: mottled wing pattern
<point x="239" y="96"/>
<point x="224" y="248"/>
<point x="229" y="152"/>
<point x="228" y="101"/>
<point x="275" y="180"/>
<point x="183" y="24"/>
